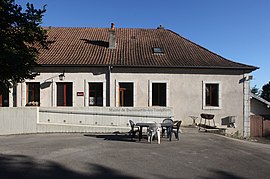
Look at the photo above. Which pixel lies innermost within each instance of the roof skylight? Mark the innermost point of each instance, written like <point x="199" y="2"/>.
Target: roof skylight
<point x="158" y="50"/>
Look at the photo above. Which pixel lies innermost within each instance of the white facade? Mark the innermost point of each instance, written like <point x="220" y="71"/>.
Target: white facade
<point x="185" y="90"/>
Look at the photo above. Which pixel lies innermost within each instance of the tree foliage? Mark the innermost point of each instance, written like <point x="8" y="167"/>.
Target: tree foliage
<point x="255" y="90"/>
<point x="266" y="91"/>
<point x="21" y="36"/>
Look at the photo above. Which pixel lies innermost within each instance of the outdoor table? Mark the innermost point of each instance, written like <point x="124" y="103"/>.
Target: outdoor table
<point x="141" y="125"/>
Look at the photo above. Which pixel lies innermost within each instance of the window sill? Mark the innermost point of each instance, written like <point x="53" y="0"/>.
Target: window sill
<point x="212" y="107"/>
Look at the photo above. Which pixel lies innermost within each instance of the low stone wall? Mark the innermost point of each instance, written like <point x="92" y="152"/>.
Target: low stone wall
<point x="71" y="119"/>
<point x="97" y="119"/>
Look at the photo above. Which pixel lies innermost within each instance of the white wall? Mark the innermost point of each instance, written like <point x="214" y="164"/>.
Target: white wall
<point x="185" y="90"/>
<point x="18" y="120"/>
<point x="186" y="94"/>
<point x="48" y="83"/>
<point x="97" y="119"/>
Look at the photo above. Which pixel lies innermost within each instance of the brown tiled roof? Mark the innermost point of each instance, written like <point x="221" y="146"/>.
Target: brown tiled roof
<point x="89" y="46"/>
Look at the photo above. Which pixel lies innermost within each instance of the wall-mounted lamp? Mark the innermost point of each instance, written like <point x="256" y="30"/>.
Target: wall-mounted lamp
<point x="62" y="76"/>
<point x="249" y="77"/>
<point x="32" y="75"/>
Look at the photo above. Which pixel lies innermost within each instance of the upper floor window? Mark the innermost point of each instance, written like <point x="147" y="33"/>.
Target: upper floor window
<point x="33" y="94"/>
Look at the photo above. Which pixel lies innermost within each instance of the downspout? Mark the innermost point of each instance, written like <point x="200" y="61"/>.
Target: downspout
<point x="246" y="106"/>
<point x="108" y="86"/>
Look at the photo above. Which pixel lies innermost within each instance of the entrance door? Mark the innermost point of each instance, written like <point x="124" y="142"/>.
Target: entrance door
<point x="4" y="96"/>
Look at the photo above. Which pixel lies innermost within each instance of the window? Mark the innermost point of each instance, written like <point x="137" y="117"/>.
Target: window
<point x="14" y="95"/>
<point x="64" y="94"/>
<point x="158" y="50"/>
<point x="95" y="94"/>
<point x="32" y="94"/>
<point x="159" y="94"/>
<point x="4" y="96"/>
<point x="212" y="95"/>
<point x="126" y="94"/>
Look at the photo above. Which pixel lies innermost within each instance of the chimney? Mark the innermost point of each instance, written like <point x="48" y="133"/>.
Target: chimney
<point x="112" y="38"/>
<point x="160" y="27"/>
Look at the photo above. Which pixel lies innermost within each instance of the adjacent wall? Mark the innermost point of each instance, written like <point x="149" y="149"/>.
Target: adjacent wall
<point x="18" y="120"/>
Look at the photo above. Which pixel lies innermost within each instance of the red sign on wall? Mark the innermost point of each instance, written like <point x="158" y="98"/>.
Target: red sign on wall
<point x="80" y="93"/>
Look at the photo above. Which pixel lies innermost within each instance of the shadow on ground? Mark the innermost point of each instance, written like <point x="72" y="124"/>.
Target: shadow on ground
<point x="21" y="166"/>
<point x="115" y="137"/>
<point x="222" y="175"/>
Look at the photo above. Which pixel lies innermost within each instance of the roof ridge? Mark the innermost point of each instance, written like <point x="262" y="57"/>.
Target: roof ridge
<point x="57" y="27"/>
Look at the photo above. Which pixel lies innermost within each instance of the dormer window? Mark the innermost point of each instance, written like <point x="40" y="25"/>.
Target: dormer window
<point x="158" y="50"/>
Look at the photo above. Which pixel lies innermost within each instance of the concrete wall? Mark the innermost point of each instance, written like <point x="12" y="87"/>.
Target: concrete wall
<point x="77" y="119"/>
<point x="97" y="119"/>
<point x="18" y="120"/>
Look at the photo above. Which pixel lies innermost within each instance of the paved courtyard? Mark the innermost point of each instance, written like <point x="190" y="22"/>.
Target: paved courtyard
<point x="196" y="155"/>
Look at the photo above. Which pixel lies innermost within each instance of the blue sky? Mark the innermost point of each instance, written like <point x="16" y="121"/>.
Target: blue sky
<point x="238" y="30"/>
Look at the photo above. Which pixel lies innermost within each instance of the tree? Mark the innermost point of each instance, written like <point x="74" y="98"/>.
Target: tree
<point x="255" y="90"/>
<point x="266" y="91"/>
<point x="21" y="36"/>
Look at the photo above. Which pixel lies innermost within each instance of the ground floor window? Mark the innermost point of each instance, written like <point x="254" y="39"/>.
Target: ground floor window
<point x="95" y="94"/>
<point x="33" y="94"/>
<point x="14" y="95"/>
<point x="64" y="94"/>
<point x="159" y="94"/>
<point x="126" y="93"/>
<point x="4" y="96"/>
<point x="212" y="94"/>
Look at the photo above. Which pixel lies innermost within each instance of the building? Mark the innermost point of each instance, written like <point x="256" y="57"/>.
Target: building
<point x="259" y="106"/>
<point x="131" y="68"/>
<point x="260" y="116"/>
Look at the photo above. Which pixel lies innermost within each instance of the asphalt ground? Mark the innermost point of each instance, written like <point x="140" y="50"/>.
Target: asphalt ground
<point x="195" y="155"/>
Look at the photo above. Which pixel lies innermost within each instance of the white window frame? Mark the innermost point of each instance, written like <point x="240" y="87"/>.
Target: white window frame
<point x="219" y="95"/>
<point x="150" y="82"/>
<point x="117" y="92"/>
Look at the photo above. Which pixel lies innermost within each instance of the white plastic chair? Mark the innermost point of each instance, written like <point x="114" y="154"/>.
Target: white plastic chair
<point x="154" y="130"/>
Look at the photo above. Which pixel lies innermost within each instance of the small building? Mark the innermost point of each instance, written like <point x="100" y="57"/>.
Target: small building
<point x="259" y="106"/>
<point x="87" y="68"/>
<point x="260" y="116"/>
